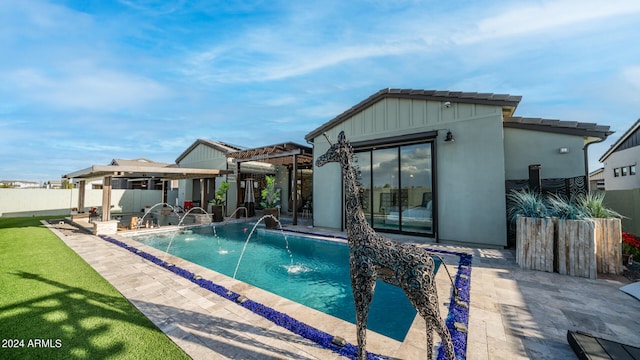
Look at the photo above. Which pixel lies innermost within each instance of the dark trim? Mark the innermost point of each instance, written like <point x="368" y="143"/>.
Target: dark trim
<point x="395" y="140"/>
<point x="429" y="137"/>
<point x="434" y="196"/>
<point x="557" y="130"/>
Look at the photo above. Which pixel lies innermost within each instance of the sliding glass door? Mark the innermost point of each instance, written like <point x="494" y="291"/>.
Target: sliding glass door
<point x="417" y="190"/>
<point x="398" y="187"/>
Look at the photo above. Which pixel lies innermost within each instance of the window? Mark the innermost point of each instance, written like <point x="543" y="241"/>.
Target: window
<point x="624" y="171"/>
<point x="632" y="170"/>
<point x="616" y="172"/>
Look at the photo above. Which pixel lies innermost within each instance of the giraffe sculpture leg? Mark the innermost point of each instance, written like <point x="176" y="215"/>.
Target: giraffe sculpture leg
<point x="429" y="323"/>
<point x="363" y="285"/>
<point x="422" y="292"/>
<point x="434" y="322"/>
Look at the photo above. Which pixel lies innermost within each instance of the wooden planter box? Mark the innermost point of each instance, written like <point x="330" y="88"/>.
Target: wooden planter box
<point x="216" y="212"/>
<point x="577" y="248"/>
<point x="580" y="248"/>
<point x="534" y="243"/>
<point x="609" y="246"/>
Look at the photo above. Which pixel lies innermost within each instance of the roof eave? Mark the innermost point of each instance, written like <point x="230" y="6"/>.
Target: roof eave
<point x="508" y="102"/>
<point x="596" y="134"/>
<point x="619" y="142"/>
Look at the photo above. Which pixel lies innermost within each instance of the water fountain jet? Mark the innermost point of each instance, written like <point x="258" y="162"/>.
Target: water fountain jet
<point x="290" y="268"/>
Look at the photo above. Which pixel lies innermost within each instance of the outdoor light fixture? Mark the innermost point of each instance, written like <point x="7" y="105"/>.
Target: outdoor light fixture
<point x="564" y="150"/>
<point x="449" y="137"/>
<point x="447" y="104"/>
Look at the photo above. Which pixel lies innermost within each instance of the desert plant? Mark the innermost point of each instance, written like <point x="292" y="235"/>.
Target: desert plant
<point x="563" y="208"/>
<point x="592" y="205"/>
<point x="270" y="195"/>
<point x="526" y="203"/>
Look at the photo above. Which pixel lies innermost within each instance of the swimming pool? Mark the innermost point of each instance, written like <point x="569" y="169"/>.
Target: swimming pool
<point x="306" y="270"/>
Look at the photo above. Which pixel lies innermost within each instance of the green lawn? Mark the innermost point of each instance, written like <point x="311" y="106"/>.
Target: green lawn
<point x="53" y="305"/>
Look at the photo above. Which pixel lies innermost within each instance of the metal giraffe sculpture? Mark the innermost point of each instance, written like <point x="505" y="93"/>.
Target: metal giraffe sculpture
<point x="373" y="256"/>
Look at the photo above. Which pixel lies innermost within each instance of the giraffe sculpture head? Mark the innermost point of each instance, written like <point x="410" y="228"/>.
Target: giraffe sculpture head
<point x="336" y="153"/>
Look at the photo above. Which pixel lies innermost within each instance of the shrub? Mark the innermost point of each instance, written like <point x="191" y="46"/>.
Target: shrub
<point x="531" y="204"/>
<point x="593" y="206"/>
<point x="631" y="245"/>
<point x="270" y="195"/>
<point x="563" y="208"/>
<point x="526" y="203"/>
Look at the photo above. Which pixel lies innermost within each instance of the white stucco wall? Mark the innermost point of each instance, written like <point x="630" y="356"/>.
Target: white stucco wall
<point x="40" y="202"/>
<point x="622" y="158"/>
<point x="470" y="171"/>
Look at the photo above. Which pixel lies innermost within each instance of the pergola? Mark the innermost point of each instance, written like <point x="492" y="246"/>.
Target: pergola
<point x="108" y="172"/>
<point x="288" y="154"/>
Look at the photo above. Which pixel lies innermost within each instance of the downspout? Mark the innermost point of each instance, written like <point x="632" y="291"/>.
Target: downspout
<point x="586" y="160"/>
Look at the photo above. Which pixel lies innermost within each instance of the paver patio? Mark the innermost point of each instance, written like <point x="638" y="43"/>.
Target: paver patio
<point x="514" y="313"/>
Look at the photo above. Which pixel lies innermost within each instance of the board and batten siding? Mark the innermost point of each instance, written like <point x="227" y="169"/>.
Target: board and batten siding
<point x="470" y="171"/>
<point x="203" y="157"/>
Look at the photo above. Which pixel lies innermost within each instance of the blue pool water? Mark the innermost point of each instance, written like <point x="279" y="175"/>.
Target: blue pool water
<point x="313" y="272"/>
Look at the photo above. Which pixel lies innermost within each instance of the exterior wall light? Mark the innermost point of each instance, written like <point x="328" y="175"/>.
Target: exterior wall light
<point x="564" y="150"/>
<point x="449" y="137"/>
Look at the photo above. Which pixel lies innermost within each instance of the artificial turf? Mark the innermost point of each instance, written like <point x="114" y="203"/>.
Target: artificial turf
<point x="53" y="305"/>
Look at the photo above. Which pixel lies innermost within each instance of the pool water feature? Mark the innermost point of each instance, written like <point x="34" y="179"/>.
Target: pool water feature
<point x="318" y="277"/>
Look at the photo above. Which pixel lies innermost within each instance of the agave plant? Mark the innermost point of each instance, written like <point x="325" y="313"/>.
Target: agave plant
<point x="592" y="205"/>
<point x="526" y="203"/>
<point x="563" y="208"/>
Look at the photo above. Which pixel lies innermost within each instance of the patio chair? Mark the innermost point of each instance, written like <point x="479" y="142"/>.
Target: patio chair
<point x="93" y="213"/>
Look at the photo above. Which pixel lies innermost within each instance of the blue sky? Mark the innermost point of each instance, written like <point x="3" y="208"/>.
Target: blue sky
<point x="86" y="81"/>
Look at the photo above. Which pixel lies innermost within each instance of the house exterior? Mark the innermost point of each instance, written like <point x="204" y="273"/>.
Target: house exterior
<point x="621" y="180"/>
<point x="205" y="154"/>
<point x="596" y="179"/>
<point x="436" y="163"/>
<point x="621" y="161"/>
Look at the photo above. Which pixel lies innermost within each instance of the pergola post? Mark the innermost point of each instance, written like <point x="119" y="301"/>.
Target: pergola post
<point x="203" y="192"/>
<point x="164" y="192"/>
<point x="106" y="198"/>
<point x="295" y="189"/>
<point x="81" y="194"/>
<point x="238" y="190"/>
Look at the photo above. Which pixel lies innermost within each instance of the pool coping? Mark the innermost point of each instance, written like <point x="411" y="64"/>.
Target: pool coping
<point x="263" y="303"/>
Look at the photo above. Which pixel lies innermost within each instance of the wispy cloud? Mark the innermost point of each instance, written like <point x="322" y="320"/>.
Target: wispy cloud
<point x="96" y="89"/>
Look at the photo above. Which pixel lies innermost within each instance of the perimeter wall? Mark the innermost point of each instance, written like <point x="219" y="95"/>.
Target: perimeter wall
<point x="627" y="203"/>
<point x="42" y="202"/>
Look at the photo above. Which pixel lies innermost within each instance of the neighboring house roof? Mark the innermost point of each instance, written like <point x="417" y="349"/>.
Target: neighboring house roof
<point x="140" y="162"/>
<point x="629" y="139"/>
<point x="597" y="174"/>
<point x="558" y="126"/>
<point x="222" y="147"/>
<point x="19" y="181"/>
<point x="507" y="101"/>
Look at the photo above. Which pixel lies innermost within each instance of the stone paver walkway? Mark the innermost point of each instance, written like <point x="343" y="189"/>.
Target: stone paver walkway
<point x="514" y="314"/>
